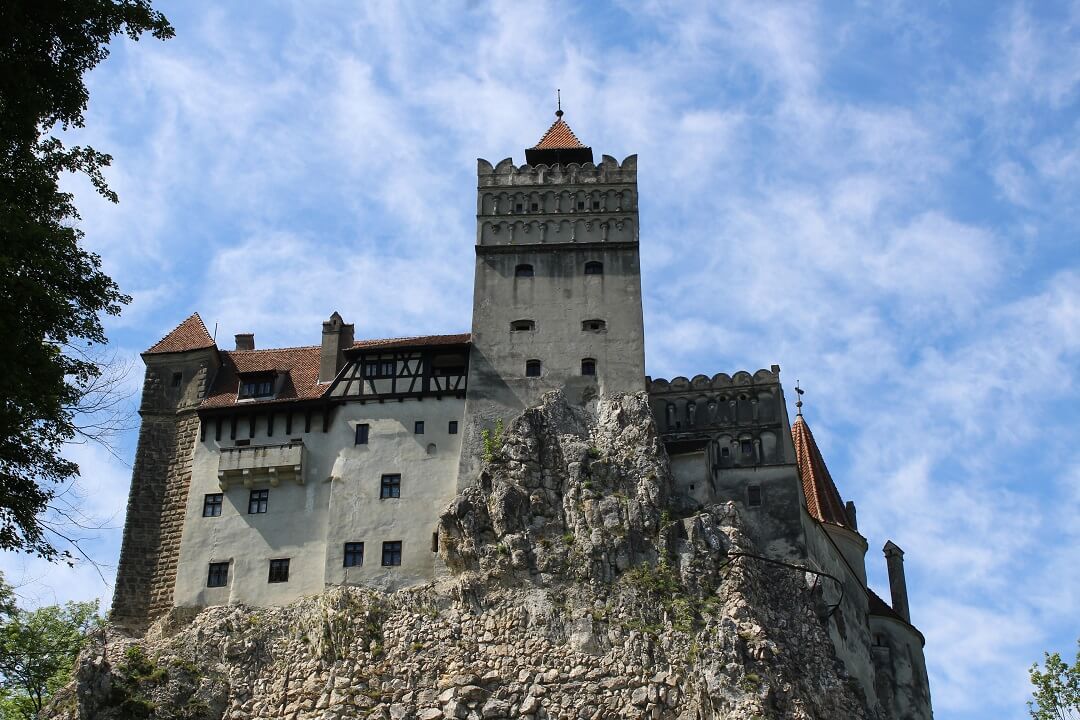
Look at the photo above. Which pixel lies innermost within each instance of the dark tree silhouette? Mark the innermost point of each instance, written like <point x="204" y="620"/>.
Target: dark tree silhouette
<point x="52" y="291"/>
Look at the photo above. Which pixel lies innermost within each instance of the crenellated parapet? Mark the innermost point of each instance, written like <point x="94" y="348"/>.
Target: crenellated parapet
<point x="541" y="204"/>
<point x="743" y="414"/>
<point x="609" y="171"/>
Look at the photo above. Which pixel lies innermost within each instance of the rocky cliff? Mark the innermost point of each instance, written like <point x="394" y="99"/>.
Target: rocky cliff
<point x="570" y="592"/>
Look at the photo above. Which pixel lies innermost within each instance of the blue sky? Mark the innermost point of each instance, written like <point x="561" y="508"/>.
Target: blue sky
<point x="881" y="197"/>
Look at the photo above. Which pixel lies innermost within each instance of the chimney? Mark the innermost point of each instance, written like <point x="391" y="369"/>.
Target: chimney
<point x="245" y="341"/>
<point x="894" y="558"/>
<point x="852" y="515"/>
<point x="337" y="337"/>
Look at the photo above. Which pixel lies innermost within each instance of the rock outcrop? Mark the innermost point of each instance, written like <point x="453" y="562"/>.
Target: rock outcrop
<point x="572" y="593"/>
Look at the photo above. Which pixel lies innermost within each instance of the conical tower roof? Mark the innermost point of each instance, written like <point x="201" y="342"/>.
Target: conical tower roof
<point x="822" y="498"/>
<point x="559" y="146"/>
<point x="188" y="335"/>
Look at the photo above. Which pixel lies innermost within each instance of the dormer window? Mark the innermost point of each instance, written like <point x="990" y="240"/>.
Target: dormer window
<point x="594" y="325"/>
<point x="522" y="326"/>
<point x="379" y="368"/>
<point x="594" y="267"/>
<point x="256" y="386"/>
<point x="523" y="270"/>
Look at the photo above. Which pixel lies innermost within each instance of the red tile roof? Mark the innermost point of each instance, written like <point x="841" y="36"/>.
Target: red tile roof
<point x="299" y="365"/>
<point x="188" y="335"/>
<point x="558" y="137"/>
<point x="822" y="498"/>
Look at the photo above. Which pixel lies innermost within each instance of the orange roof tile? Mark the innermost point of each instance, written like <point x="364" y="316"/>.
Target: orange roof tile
<point x="558" y="137"/>
<point x="188" y="335"/>
<point x="822" y="498"/>
<point x="300" y="365"/>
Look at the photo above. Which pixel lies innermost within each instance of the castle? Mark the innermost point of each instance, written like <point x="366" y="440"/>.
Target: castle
<point x="263" y="475"/>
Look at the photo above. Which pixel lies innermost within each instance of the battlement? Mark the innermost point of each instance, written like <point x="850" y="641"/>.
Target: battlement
<point x="609" y="171"/>
<point x="720" y="381"/>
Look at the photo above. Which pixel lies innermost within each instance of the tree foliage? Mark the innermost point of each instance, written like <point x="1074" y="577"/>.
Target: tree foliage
<point x="38" y="649"/>
<point x="52" y="291"/>
<point x="1057" y="689"/>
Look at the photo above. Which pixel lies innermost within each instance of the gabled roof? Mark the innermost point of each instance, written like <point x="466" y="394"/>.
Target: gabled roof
<point x="822" y="498"/>
<point x="188" y="335"/>
<point x="558" y="137"/>
<point x="300" y="367"/>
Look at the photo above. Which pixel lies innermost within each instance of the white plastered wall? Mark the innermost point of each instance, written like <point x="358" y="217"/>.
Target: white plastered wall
<point x="338" y="502"/>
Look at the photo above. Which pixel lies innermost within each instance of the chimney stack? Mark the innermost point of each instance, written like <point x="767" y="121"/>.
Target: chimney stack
<point x="894" y="558"/>
<point x="245" y="341"/>
<point x="852" y="515"/>
<point x="337" y="337"/>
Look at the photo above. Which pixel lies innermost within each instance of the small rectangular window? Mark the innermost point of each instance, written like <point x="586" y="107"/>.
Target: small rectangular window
<point x="753" y="496"/>
<point x="532" y="368"/>
<point x="517" y="207"/>
<point x="218" y="575"/>
<point x="391" y="553"/>
<point x="435" y="541"/>
<point x="256" y="388"/>
<point x="418" y="427"/>
<point x="362" y="433"/>
<point x="588" y="366"/>
<point x="452" y="428"/>
<point x="177" y="378"/>
<point x="257" y="501"/>
<point x="354" y="554"/>
<point x="279" y="571"/>
<point x="725" y="452"/>
<point x="211" y="506"/>
<point x="391" y="486"/>
<point x="595" y="204"/>
<point x="387" y="368"/>
<point x="580" y="204"/>
<point x="534" y="207"/>
<point x="747" y="447"/>
<point x="371" y="369"/>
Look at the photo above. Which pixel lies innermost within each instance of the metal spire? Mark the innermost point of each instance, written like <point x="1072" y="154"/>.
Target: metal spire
<point x="558" y="100"/>
<point x="798" y="403"/>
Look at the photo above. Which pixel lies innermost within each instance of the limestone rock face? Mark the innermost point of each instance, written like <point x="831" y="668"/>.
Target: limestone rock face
<point x="573" y="594"/>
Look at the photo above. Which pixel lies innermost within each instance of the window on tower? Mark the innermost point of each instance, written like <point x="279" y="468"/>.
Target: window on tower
<point x="532" y="368"/>
<point x="588" y="366"/>
<point x="594" y="267"/>
<point x="594" y="325"/>
<point x="523" y="270"/>
<point x="522" y="326"/>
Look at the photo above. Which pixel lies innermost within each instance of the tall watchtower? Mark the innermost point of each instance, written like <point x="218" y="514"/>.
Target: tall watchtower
<point x="557" y="296"/>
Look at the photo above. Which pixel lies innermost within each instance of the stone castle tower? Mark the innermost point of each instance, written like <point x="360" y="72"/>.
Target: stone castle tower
<point x="557" y="295"/>
<point x="263" y="475"/>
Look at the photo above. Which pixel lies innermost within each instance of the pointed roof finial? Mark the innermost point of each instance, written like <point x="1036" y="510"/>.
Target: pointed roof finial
<point x="558" y="103"/>
<point x="798" y="403"/>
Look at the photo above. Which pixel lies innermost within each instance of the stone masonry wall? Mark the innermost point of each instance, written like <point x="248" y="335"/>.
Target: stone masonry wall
<point x="159" y="487"/>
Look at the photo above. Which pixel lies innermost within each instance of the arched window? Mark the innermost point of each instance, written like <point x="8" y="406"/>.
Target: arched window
<point x="523" y="270"/>
<point x="588" y="366"/>
<point x="532" y="368"/>
<point x="594" y="267"/>
<point x="594" y="325"/>
<point x="522" y="326"/>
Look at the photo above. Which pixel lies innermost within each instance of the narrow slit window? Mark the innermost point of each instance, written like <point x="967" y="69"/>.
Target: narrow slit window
<point x="523" y="270"/>
<point x="218" y="575"/>
<point x="588" y="366"/>
<point x="354" y="554"/>
<point x="391" y="553"/>
<point x="753" y="496"/>
<point x="532" y="368"/>
<point x="594" y="267"/>
<point x="279" y="571"/>
<point x="390" y="486"/>
<point x="522" y="326"/>
<point x="362" y="430"/>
